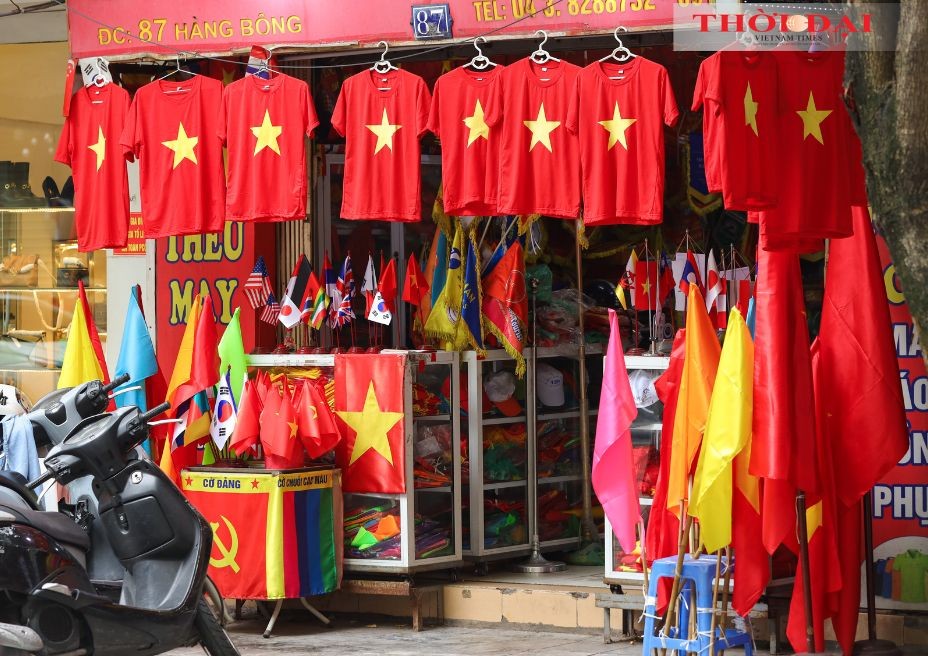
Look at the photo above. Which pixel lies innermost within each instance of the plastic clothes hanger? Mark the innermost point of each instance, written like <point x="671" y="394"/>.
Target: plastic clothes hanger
<point x="542" y="56"/>
<point x="177" y="70"/>
<point x="383" y="65"/>
<point x="480" y="62"/>
<point x="621" y="54"/>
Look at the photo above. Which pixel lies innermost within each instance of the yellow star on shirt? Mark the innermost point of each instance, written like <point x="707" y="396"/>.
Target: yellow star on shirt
<point x="372" y="426"/>
<point x="267" y="134"/>
<point x="182" y="146"/>
<point x="750" y="109"/>
<point x="477" y="125"/>
<point x="541" y="129"/>
<point x="616" y="127"/>
<point x="384" y="131"/>
<point x="812" y="118"/>
<point x="99" y="148"/>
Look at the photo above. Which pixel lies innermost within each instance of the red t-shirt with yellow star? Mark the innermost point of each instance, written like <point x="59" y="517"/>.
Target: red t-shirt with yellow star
<point x="89" y="144"/>
<point x="172" y="130"/>
<point x="738" y="94"/>
<point x="539" y="162"/>
<point x="820" y="170"/>
<point x="264" y="124"/>
<point x="382" y="117"/>
<point x="620" y="118"/>
<point x="465" y="116"/>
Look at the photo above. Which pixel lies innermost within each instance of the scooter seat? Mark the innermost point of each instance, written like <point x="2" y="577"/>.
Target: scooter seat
<point x="17" y="482"/>
<point x="55" y="524"/>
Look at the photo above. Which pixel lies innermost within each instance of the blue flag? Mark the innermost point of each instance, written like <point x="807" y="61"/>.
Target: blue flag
<point x="470" y="323"/>
<point x="441" y="267"/>
<point x="752" y="316"/>
<point x="136" y="357"/>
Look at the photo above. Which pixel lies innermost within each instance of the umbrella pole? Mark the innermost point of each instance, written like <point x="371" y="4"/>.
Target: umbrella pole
<point x="588" y="529"/>
<point x="806" y="574"/>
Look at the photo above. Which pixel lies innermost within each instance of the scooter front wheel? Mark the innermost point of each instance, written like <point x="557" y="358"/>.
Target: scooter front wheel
<point x="213" y="637"/>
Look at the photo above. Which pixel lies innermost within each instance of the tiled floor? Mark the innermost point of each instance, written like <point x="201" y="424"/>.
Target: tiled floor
<point x="301" y="636"/>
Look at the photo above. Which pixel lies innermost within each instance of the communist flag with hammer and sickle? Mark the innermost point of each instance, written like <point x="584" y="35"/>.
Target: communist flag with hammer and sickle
<point x="370" y="410"/>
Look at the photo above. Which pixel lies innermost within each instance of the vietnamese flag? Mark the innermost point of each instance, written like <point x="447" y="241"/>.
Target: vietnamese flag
<point x="387" y="285"/>
<point x="317" y="429"/>
<point x="248" y="423"/>
<point x="278" y="430"/>
<point x="370" y="411"/>
<point x="783" y="445"/>
<point x="415" y="286"/>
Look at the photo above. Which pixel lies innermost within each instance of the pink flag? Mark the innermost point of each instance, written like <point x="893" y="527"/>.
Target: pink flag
<point x="613" y="466"/>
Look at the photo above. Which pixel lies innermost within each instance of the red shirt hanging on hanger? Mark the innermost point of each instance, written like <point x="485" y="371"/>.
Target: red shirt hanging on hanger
<point x="539" y="163"/>
<point x="739" y="99"/>
<point x="263" y="124"/>
<point x="89" y="144"/>
<point x="172" y="130"/>
<point x="820" y="170"/>
<point x="620" y="118"/>
<point x="465" y="115"/>
<point x="382" y="117"/>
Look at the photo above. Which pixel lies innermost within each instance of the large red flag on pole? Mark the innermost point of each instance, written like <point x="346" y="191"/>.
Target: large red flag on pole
<point x="613" y="465"/>
<point x="783" y="444"/>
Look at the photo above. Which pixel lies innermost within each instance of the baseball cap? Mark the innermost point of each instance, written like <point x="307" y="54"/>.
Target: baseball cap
<point x="550" y="383"/>
<point x="500" y="388"/>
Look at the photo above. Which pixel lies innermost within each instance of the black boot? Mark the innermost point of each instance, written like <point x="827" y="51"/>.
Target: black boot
<point x="8" y="196"/>
<point x="52" y="195"/>
<point x="21" y="180"/>
<point x="67" y="192"/>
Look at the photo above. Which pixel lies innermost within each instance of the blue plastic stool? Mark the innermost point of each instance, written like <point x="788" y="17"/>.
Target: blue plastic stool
<point x="699" y="573"/>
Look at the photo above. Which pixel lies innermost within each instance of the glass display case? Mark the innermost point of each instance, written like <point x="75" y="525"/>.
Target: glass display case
<point x="624" y="567"/>
<point x="420" y="529"/>
<point x="40" y="268"/>
<point x="500" y="511"/>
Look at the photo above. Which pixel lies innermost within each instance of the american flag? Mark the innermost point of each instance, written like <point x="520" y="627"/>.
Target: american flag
<point x="271" y="309"/>
<point x="257" y="287"/>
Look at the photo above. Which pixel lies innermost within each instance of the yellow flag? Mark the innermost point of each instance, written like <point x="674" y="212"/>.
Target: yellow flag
<point x="728" y="430"/>
<point x="442" y="323"/>
<point x="80" y="360"/>
<point x="700" y="363"/>
<point x="181" y="373"/>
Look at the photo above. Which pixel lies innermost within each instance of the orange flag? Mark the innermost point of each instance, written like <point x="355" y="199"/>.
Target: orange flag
<point x="700" y="364"/>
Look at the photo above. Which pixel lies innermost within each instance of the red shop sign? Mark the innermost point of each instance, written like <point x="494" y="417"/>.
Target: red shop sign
<point x="130" y="27"/>
<point x="900" y="500"/>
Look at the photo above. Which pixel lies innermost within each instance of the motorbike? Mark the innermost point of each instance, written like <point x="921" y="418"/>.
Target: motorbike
<point x="49" y="601"/>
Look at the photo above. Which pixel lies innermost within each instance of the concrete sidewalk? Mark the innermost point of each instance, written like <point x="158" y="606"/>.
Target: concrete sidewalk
<point x="304" y="636"/>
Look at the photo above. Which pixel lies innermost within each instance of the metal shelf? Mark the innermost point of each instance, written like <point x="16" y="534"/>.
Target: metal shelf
<point x="496" y="421"/>
<point x="447" y="489"/>
<point x="431" y="418"/>
<point x="567" y="414"/>
<point x="550" y="480"/>
<point x="503" y="485"/>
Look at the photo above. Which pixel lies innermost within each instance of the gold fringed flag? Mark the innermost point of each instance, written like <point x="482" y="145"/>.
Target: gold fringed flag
<point x="442" y="323"/>
<point x="505" y="304"/>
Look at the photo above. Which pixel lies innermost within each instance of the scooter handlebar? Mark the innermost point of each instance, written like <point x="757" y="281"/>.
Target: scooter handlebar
<point x="154" y="412"/>
<point x="116" y="382"/>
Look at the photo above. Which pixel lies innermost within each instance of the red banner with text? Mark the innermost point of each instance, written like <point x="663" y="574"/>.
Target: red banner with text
<point x="900" y="501"/>
<point x="215" y="264"/>
<point x="129" y="27"/>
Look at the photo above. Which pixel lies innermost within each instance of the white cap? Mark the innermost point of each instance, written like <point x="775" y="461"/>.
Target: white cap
<point x="642" y="383"/>
<point x="550" y="384"/>
<point x="500" y="387"/>
<point x="12" y="401"/>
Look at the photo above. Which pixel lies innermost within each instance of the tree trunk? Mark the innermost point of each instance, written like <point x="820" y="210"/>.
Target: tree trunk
<point x="890" y="91"/>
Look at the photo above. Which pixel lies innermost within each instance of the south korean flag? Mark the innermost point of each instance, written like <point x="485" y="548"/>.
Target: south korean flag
<point x="379" y="312"/>
<point x="225" y="415"/>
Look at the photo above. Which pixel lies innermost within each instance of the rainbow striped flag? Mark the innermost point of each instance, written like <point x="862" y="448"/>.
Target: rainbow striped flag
<point x="283" y="541"/>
